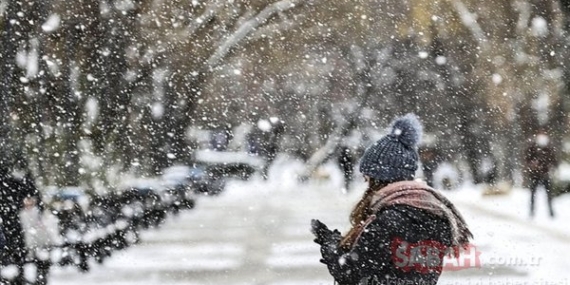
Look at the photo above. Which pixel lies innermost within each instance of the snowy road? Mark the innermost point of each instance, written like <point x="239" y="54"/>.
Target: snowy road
<point x="258" y="233"/>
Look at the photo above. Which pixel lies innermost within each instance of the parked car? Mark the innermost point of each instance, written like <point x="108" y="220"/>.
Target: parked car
<point x="69" y="204"/>
<point x="179" y="191"/>
<point x="198" y="178"/>
<point x="145" y="201"/>
<point x="230" y="163"/>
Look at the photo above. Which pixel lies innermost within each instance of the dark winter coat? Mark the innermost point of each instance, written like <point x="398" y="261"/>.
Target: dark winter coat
<point x="401" y="243"/>
<point x="539" y="160"/>
<point x="13" y="191"/>
<point x="376" y="259"/>
<point x="12" y="194"/>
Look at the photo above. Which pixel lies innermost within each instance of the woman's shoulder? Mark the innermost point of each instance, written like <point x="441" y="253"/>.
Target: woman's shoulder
<point x="392" y="217"/>
<point x="396" y="215"/>
<point x="407" y="220"/>
<point x="399" y="210"/>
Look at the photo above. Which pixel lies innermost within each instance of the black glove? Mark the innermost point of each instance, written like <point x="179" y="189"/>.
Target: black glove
<point x="320" y="230"/>
<point x="327" y="239"/>
<point x="329" y="242"/>
<point x="323" y="234"/>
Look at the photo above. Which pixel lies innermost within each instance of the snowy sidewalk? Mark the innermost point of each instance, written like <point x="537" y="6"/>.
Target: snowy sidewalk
<point x="257" y="233"/>
<point x="513" y="248"/>
<point x="515" y="206"/>
<point x="253" y="233"/>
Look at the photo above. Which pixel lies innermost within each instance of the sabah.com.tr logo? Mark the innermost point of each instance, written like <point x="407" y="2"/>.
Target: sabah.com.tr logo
<point x="432" y="256"/>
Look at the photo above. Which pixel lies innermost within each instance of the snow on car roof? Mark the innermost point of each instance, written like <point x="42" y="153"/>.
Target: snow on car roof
<point x="143" y="183"/>
<point x="228" y="157"/>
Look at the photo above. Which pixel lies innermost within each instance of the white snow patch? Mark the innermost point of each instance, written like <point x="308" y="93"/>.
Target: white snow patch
<point x="52" y="23"/>
<point x="441" y="60"/>
<point x="294" y="247"/>
<point x="21" y="59"/>
<point x="92" y="109"/>
<point x="157" y="110"/>
<point x="32" y="66"/>
<point x="294" y="261"/>
<point x="497" y="78"/>
<point x="539" y="27"/>
<point x="264" y="125"/>
<point x="124" y="5"/>
<point x="227" y="157"/>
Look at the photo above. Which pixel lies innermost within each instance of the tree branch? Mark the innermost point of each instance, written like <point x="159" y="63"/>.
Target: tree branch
<point x="470" y="21"/>
<point x="248" y="27"/>
<point x="269" y="31"/>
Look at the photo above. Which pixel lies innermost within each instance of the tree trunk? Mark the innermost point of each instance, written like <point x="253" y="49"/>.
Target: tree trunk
<point x="11" y="35"/>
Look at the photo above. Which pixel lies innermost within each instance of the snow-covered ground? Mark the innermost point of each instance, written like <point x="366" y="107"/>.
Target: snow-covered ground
<point x="514" y="248"/>
<point x="257" y="232"/>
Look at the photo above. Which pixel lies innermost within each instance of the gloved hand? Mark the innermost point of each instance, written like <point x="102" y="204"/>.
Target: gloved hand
<point x="328" y="240"/>
<point x="323" y="234"/>
<point x="320" y="230"/>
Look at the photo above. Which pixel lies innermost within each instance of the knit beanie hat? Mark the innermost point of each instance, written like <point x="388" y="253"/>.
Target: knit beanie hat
<point x="395" y="156"/>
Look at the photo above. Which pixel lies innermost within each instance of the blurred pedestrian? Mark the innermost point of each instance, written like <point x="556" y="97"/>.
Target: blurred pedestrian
<point x="264" y="141"/>
<point x="430" y="161"/>
<point x="346" y="164"/>
<point x="396" y="219"/>
<point x="273" y="140"/>
<point x="540" y="160"/>
<point x="489" y="170"/>
<point x="13" y="191"/>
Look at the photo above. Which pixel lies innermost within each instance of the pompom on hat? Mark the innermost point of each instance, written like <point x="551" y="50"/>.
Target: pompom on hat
<point x="395" y="156"/>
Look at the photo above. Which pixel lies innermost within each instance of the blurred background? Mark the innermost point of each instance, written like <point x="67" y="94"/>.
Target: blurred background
<point x="89" y="86"/>
<point x="102" y="96"/>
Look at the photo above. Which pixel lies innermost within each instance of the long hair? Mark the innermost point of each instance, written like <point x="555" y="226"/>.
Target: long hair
<point x="361" y="212"/>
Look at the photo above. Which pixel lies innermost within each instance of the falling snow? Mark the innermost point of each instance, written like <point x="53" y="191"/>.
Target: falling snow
<point x="118" y="116"/>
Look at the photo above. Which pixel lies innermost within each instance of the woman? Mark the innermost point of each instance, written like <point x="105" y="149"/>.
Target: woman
<point x="401" y="228"/>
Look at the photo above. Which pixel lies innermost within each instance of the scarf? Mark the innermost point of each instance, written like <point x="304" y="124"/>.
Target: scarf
<point x="419" y="195"/>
